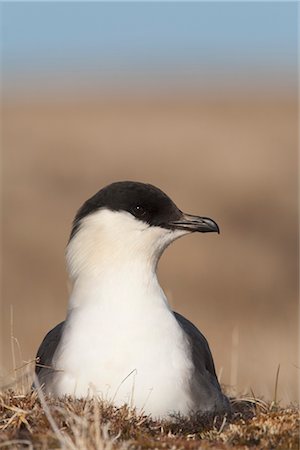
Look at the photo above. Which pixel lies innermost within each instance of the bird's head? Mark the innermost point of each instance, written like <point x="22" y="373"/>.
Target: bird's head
<point x="127" y="222"/>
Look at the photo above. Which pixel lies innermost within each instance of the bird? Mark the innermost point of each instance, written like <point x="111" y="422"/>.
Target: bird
<point x="121" y="341"/>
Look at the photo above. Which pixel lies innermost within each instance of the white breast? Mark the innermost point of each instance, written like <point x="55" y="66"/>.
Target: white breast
<point x="121" y="341"/>
<point x="138" y="356"/>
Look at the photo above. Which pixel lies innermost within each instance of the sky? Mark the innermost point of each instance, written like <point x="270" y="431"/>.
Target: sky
<point x="123" y="42"/>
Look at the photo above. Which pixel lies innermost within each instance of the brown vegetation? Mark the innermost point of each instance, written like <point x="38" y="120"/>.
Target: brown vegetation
<point x="35" y="422"/>
<point x="234" y="159"/>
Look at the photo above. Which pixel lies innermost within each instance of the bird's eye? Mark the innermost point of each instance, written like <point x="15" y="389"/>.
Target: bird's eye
<point x="139" y="211"/>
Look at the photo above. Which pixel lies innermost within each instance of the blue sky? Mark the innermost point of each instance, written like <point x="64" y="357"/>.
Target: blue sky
<point x="115" y="41"/>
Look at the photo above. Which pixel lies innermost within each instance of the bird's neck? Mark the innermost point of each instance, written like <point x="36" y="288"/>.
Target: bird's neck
<point x="133" y="285"/>
<point x="107" y="266"/>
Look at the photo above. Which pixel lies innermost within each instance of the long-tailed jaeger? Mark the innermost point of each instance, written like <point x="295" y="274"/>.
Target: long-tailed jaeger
<point x="121" y="341"/>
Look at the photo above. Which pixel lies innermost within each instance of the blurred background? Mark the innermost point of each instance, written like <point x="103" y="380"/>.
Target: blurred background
<point x="199" y="99"/>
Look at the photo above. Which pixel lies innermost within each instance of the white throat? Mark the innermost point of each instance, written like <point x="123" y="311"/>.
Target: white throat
<point x="117" y="254"/>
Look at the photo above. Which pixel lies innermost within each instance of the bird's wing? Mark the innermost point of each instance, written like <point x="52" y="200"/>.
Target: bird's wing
<point x="205" y="384"/>
<point x="202" y="356"/>
<point x="46" y="351"/>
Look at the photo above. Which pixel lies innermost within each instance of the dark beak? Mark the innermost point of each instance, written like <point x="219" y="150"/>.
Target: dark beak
<point x="195" y="223"/>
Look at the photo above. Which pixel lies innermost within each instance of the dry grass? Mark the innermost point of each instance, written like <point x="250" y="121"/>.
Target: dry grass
<point x="32" y="421"/>
<point x="233" y="159"/>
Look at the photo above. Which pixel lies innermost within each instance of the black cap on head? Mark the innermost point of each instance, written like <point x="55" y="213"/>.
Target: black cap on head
<point x="144" y="201"/>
